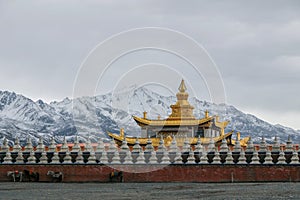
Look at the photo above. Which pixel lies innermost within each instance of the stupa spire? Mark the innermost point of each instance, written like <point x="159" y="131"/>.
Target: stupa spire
<point x="182" y="108"/>
<point x="182" y="87"/>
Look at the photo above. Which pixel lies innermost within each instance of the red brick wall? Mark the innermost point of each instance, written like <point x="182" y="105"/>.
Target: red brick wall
<point x="171" y="173"/>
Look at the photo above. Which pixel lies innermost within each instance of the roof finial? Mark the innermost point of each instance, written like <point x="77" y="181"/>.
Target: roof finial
<point x="182" y="87"/>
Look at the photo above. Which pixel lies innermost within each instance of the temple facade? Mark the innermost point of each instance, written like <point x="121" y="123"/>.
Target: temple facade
<point x="180" y="124"/>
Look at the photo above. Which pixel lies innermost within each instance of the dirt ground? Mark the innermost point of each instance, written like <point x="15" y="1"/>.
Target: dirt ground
<point x="10" y="190"/>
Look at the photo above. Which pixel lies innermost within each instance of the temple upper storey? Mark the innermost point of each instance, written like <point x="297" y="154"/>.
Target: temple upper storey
<point x="182" y="110"/>
<point x="181" y="122"/>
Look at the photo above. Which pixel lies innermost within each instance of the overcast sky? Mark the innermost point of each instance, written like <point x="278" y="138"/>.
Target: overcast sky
<point x="255" y="45"/>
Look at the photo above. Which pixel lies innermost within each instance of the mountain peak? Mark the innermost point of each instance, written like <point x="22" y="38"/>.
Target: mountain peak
<point x="6" y="98"/>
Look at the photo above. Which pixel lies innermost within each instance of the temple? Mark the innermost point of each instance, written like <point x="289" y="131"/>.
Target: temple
<point x="181" y="124"/>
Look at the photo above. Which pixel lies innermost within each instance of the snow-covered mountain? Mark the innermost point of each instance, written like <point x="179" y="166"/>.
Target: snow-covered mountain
<point x="94" y="116"/>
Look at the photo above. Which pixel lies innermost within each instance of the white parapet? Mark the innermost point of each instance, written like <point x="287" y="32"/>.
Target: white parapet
<point x="172" y="155"/>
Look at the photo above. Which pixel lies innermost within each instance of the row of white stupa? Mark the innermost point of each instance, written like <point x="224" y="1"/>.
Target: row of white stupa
<point x="163" y="155"/>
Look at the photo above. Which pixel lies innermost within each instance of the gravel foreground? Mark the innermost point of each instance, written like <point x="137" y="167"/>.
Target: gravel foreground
<point x="10" y="190"/>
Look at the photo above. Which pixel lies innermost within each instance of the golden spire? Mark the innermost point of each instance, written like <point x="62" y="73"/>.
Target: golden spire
<point x="182" y="87"/>
<point x="182" y="109"/>
<point x="206" y="114"/>
<point x="145" y="114"/>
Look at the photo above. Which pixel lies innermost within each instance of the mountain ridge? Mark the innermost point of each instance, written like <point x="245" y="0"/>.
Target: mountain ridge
<point x="93" y="116"/>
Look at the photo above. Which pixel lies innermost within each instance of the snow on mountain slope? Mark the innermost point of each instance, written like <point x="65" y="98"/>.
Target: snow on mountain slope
<point x="94" y="116"/>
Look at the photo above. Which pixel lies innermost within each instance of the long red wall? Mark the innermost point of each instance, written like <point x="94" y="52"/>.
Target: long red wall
<point x="170" y="173"/>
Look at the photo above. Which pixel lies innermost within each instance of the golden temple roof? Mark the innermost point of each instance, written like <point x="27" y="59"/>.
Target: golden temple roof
<point x="168" y="140"/>
<point x="171" y="122"/>
<point x="182" y="114"/>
